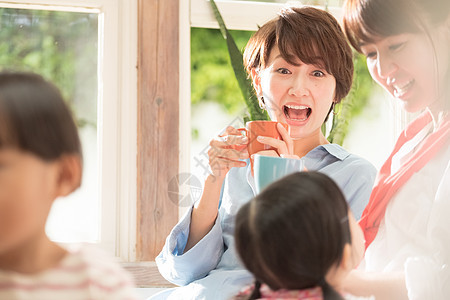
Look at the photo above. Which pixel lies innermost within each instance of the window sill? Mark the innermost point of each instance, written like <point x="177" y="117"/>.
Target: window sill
<point x="146" y="275"/>
<point x="145" y="293"/>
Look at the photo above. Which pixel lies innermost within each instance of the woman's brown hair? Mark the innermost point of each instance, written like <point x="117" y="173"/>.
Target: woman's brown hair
<point x="366" y="20"/>
<point x="309" y="34"/>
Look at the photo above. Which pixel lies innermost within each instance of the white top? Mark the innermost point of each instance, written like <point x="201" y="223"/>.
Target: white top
<point x="415" y="233"/>
<point x="85" y="273"/>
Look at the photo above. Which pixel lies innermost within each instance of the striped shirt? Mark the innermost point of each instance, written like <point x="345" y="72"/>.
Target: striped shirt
<point x="84" y="273"/>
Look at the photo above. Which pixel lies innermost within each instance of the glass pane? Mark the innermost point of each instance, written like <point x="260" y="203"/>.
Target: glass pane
<point x="216" y="100"/>
<point x="62" y="47"/>
<point x="304" y="2"/>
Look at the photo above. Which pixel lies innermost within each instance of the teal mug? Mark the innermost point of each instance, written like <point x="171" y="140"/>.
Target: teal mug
<point x="268" y="169"/>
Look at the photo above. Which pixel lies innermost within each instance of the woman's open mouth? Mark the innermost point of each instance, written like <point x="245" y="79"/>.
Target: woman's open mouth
<point x="298" y="113"/>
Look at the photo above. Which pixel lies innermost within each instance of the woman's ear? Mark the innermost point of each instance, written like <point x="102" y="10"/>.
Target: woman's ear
<point x="256" y="82"/>
<point x="69" y="175"/>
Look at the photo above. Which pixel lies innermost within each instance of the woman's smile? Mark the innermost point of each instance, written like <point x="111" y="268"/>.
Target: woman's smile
<point x="296" y="112"/>
<point x="405" y="65"/>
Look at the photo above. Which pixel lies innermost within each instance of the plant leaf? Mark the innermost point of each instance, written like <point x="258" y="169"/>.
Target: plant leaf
<point x="245" y="84"/>
<point x="352" y="105"/>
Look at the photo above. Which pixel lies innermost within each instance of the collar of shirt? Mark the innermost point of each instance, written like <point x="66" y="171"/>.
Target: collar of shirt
<point x="313" y="160"/>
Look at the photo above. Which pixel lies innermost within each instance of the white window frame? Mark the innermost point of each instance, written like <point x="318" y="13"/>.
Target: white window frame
<point x="242" y="15"/>
<point x="116" y="119"/>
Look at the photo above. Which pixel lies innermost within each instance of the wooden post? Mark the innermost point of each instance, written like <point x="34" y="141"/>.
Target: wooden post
<point x="158" y="123"/>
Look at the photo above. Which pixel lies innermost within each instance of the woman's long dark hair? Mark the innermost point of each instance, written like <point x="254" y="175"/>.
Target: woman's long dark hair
<point x="293" y="232"/>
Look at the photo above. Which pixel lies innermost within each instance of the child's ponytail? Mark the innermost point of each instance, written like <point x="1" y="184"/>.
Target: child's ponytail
<point x="329" y="293"/>
<point x="256" y="293"/>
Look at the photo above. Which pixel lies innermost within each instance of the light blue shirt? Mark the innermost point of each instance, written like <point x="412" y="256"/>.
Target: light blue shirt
<point x="212" y="269"/>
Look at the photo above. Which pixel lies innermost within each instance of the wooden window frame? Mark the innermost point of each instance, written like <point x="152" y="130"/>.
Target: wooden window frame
<point x="158" y="122"/>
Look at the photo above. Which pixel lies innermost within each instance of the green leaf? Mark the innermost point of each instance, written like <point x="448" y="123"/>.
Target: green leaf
<point x="245" y="84"/>
<point x="352" y="105"/>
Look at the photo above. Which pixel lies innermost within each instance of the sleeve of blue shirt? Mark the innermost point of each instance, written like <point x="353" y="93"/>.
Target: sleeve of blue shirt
<point x="178" y="267"/>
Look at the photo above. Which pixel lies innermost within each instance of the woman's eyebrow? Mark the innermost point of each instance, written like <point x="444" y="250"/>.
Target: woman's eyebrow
<point x="278" y="56"/>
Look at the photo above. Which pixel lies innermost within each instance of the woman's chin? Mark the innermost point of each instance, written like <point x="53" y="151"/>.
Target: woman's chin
<point x="295" y="135"/>
<point x="294" y="138"/>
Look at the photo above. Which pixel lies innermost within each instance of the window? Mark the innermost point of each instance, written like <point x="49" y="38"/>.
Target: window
<point x="63" y="47"/>
<point x="88" y="48"/>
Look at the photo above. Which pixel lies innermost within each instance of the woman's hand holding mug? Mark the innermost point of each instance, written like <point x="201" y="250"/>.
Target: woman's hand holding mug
<point x="227" y="151"/>
<point x="283" y="147"/>
<point x="268" y="138"/>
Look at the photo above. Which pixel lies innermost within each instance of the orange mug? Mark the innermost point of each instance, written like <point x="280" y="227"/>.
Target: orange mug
<point x="260" y="128"/>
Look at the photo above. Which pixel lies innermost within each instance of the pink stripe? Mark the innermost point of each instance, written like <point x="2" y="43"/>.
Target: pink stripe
<point x="71" y="268"/>
<point x="58" y="287"/>
<point x="83" y="266"/>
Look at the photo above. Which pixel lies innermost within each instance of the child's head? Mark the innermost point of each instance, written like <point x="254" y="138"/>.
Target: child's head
<point x="34" y="117"/>
<point x="298" y="233"/>
<point x="40" y="156"/>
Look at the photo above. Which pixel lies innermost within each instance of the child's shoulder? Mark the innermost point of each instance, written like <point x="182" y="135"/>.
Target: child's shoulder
<point x="314" y="293"/>
<point x="351" y="297"/>
<point x="97" y="269"/>
<point x="86" y="272"/>
<point x="92" y="260"/>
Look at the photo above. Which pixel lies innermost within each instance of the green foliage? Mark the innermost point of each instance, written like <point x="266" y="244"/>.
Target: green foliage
<point x="61" y="46"/>
<point x="354" y="103"/>
<point x="212" y="79"/>
<point x="245" y="83"/>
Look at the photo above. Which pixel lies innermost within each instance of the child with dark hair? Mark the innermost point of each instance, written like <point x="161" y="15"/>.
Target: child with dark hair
<point x="40" y="160"/>
<point x="298" y="238"/>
